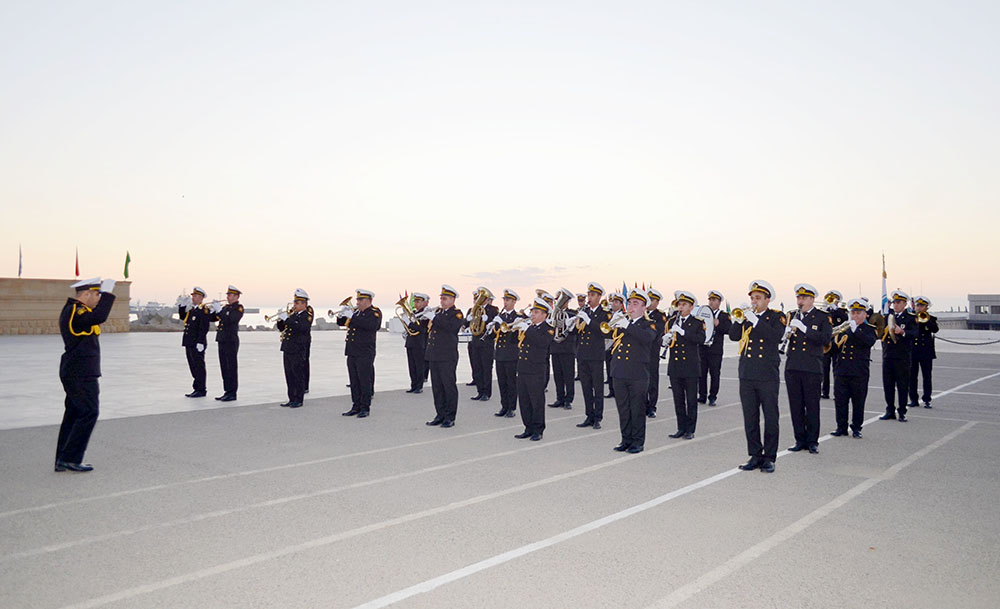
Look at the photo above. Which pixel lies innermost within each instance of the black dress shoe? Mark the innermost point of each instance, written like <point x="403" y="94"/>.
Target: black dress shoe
<point x="857" y="435"/>
<point x="702" y="400"/>
<point x="227" y="398"/>
<point x="285" y="405"/>
<point x="568" y="405"/>
<point x="220" y="397"/>
<point x="689" y="436"/>
<point x="586" y="423"/>
<point x="902" y="418"/>
<point x="295" y="404"/>
<point x="501" y="413"/>
<point x="471" y="384"/>
<point x="814" y="449"/>
<point x="767" y="467"/>
<point x="927" y="405"/>
<point x="306" y="390"/>
<point x="74" y="467"/>
<point x="536" y="437"/>
<point x="477" y="397"/>
<point x="522" y="435"/>
<point x="838" y="433"/>
<point x="447" y="424"/>
<point x="510" y="414"/>
<point x="634" y="450"/>
<point x="712" y="402"/>
<point x="350" y="413"/>
<point x="486" y="397"/>
<point x="887" y="417"/>
<point x="621" y="447"/>
<point x="825" y="396"/>
<point x="364" y="413"/>
<point x="418" y="390"/>
<point x="555" y="405"/>
<point x="597" y="424"/>
<point x="912" y="405"/>
<point x="195" y="394"/>
<point x="610" y="395"/>
<point x="411" y="390"/>
<point x="676" y="434"/>
<point x="59" y="466"/>
<point x="750" y="465"/>
<point x="434" y="422"/>
<point x="796" y="448"/>
<point x="651" y="415"/>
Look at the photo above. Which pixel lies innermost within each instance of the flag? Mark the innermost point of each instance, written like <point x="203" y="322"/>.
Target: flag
<point x="77" y="262"/>
<point x="20" y="259"/>
<point x="624" y="290"/>
<point x="885" y="295"/>
<point x="727" y="307"/>
<point x="128" y="258"/>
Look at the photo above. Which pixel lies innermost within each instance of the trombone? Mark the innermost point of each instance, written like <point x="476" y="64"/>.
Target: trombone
<point x="343" y="303"/>
<point x="274" y="316"/>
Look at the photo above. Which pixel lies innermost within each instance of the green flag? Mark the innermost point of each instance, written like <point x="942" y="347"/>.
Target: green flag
<point x="128" y="259"/>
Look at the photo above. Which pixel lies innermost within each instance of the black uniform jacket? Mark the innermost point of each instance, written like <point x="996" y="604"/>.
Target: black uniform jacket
<point x="902" y="348"/>
<point x="760" y="360"/>
<point x="296" y="332"/>
<point x="361" y="331"/>
<point x="506" y="342"/>
<point x="923" y="343"/>
<point x="685" y="356"/>
<point x="442" y="336"/>
<point x="720" y="332"/>
<point x="854" y="357"/>
<point x="532" y="357"/>
<point x="196" y="320"/>
<point x="418" y="340"/>
<point x="568" y="345"/>
<point x="78" y="325"/>
<point x="485" y="338"/>
<point x="228" y="323"/>
<point x="804" y="351"/>
<point x="590" y="341"/>
<point x="630" y="359"/>
<point x="660" y="321"/>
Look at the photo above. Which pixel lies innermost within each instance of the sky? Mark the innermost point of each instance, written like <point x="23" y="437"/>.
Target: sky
<point x="396" y="146"/>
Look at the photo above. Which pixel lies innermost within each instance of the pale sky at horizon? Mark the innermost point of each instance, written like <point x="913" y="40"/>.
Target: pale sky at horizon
<point x="397" y="146"/>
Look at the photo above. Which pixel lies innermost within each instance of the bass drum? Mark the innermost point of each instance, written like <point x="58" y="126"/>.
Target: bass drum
<point x="704" y="313"/>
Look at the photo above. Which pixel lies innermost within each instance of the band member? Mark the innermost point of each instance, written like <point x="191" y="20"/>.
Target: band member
<point x="837" y="317"/>
<point x="442" y="356"/>
<point x="581" y="300"/>
<point x="227" y="329"/>
<point x="80" y="367"/>
<point x="590" y="354"/>
<point x="534" y="340"/>
<point x="551" y="300"/>
<point x="851" y="368"/>
<point x="295" y="328"/>
<point x="506" y="350"/>
<point x="196" y="321"/>
<point x="617" y="303"/>
<point x="563" y="356"/>
<point x="923" y="351"/>
<point x="363" y="324"/>
<point x="307" y="368"/>
<point x="711" y="354"/>
<point x="807" y="333"/>
<point x="759" y="330"/>
<point x="660" y="321"/>
<point x="416" y="344"/>
<point x="897" y="346"/>
<point x="481" y="350"/>
<point x="630" y="356"/>
<point x="685" y="338"/>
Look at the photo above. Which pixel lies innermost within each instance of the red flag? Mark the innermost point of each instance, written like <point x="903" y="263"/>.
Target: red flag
<point x="77" y="262"/>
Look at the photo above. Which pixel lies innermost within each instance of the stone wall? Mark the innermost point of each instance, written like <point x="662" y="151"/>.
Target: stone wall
<point x="32" y="306"/>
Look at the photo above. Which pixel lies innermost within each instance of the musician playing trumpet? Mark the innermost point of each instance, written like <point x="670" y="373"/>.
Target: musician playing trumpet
<point x="923" y="351"/>
<point x="897" y="347"/>
<point x="442" y="356"/>
<point x="685" y="338"/>
<point x="630" y="354"/>
<point x="295" y="328"/>
<point x="590" y="353"/>
<point x="837" y="317"/>
<point x="363" y="324"/>
<point x="851" y="368"/>
<point x="807" y="333"/>
<point x="195" y="316"/>
<point x="416" y="343"/>
<point x="505" y="352"/>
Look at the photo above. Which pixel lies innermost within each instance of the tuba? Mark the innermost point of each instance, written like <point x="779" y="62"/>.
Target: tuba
<point x="558" y="317"/>
<point x="476" y="324"/>
<point x="406" y="315"/>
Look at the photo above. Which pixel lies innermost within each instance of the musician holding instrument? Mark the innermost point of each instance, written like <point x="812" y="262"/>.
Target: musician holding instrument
<point x="837" y="317"/>
<point x="897" y="350"/>
<point x="590" y="354"/>
<point x="758" y="330"/>
<point x="851" y="368"/>
<point x="227" y="326"/>
<point x="807" y="333"/>
<point x="442" y="356"/>
<point x="630" y="354"/>
<point x="563" y="350"/>
<point x="363" y="323"/>
<point x="534" y="340"/>
<point x="685" y="338"/>
<point x="922" y="360"/>
<point x="295" y="327"/>
<point x="481" y="345"/>
<point x="416" y="342"/>
<point x="616" y="302"/>
<point x="195" y="317"/>
<point x="659" y="319"/>
<point x="711" y="354"/>
<point x="505" y="353"/>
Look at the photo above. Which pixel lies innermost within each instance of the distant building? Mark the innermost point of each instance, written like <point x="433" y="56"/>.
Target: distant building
<point x="984" y="311"/>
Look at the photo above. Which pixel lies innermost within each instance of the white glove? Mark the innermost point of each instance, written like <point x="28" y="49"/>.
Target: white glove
<point x="107" y="286"/>
<point x="496" y="320"/>
<point x="582" y="316"/>
<point x="216" y="307"/>
<point x="788" y="332"/>
<point x="483" y="317"/>
<point x="180" y="301"/>
<point x="429" y="313"/>
<point x="666" y="339"/>
<point x="283" y="315"/>
<point x="621" y="323"/>
<point x="854" y="325"/>
<point x="752" y="318"/>
<point x="349" y="313"/>
<point x="677" y="329"/>
<point x="521" y="325"/>
<point x="200" y="347"/>
<point x="797" y="324"/>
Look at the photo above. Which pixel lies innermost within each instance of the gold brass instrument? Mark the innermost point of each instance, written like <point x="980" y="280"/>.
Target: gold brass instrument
<point x="558" y="316"/>
<point x="739" y="315"/>
<point x="923" y="317"/>
<point x="343" y="303"/>
<point x="890" y="328"/>
<point x="509" y="327"/>
<point x="840" y="333"/>
<point x="274" y="317"/>
<point x="476" y="324"/>
<point x="406" y="315"/>
<point x="607" y="327"/>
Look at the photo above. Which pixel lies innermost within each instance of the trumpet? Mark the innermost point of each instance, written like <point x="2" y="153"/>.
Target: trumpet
<point x="274" y="317"/>
<point x="739" y="315"/>
<point x="923" y="317"/>
<point x="607" y="327"/>
<point x="343" y="303"/>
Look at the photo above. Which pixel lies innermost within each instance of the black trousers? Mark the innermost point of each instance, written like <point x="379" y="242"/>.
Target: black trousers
<point x="79" y="417"/>
<point x="653" y="391"/>
<point x="592" y="385"/>
<point x="361" y="372"/>
<point x="630" y="397"/>
<point x="711" y="365"/>
<point x="803" y="399"/>
<point x="445" y="390"/>
<point x="531" y="394"/>
<point x="760" y="397"/>
<point x="196" y="363"/>
<point x="685" y="390"/>
<point x="851" y="390"/>
<point x="607" y="373"/>
<point x="564" y="375"/>
<point x="896" y="382"/>
<point x="474" y="361"/>
<point x="417" y="367"/>
<point x="228" y="364"/>
<point x="295" y="365"/>
<point x="481" y="355"/>
<point x="507" y="383"/>
<point x="924" y="367"/>
<point x="305" y="369"/>
<point x="827" y="365"/>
